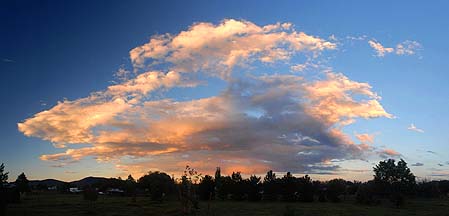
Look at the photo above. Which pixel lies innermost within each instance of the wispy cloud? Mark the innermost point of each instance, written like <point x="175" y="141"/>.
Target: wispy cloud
<point x="365" y="138"/>
<point x="388" y="153"/>
<point x="417" y="164"/>
<point x="7" y="60"/>
<point x="407" y="47"/>
<point x="412" y="127"/>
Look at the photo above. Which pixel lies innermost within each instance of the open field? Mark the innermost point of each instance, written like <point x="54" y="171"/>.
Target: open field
<point x="68" y="205"/>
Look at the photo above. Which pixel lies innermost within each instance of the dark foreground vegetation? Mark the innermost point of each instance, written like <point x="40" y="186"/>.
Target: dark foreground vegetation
<point x="55" y="204"/>
<point x="393" y="191"/>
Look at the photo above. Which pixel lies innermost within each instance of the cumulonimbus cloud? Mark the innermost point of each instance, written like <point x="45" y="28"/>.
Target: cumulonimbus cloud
<point x="279" y="121"/>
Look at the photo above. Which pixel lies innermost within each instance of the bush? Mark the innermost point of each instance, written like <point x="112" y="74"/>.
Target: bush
<point x="90" y="194"/>
<point x="336" y="188"/>
<point x="206" y="188"/>
<point x="365" y="194"/>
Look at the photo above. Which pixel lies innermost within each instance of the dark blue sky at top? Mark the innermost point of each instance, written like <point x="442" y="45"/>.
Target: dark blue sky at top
<point x="51" y="50"/>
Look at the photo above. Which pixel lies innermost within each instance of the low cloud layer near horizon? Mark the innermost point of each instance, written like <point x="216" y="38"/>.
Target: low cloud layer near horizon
<point x="290" y="121"/>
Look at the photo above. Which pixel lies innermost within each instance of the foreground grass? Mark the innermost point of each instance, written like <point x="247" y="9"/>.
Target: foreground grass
<point x="70" y="205"/>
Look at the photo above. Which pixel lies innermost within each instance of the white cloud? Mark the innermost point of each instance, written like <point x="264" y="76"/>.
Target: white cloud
<point x="379" y="48"/>
<point x="219" y="48"/>
<point x="407" y="47"/>
<point x="412" y="127"/>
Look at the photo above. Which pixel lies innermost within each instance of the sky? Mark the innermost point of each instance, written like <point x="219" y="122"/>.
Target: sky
<point x="325" y="88"/>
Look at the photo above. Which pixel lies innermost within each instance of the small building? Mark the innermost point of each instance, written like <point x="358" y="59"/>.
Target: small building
<point x="75" y="190"/>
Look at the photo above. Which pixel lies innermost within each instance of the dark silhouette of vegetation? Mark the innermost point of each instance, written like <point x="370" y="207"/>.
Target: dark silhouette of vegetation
<point x="130" y="187"/>
<point x="270" y="186"/>
<point x="157" y="184"/>
<point x="253" y="184"/>
<point x="187" y="192"/>
<point x="237" y="187"/>
<point x="3" y="192"/>
<point x="206" y="188"/>
<point x="22" y="183"/>
<point x="335" y="189"/>
<point x="3" y="175"/>
<point x="392" y="183"/>
<point x="394" y="180"/>
<point x="306" y="190"/>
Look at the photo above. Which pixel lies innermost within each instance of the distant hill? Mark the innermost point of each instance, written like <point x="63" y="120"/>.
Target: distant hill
<point x="46" y="182"/>
<point x="88" y="181"/>
<point x="79" y="183"/>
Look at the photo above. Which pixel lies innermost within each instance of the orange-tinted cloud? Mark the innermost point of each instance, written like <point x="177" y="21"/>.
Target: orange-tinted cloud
<point x="283" y="122"/>
<point x="365" y="138"/>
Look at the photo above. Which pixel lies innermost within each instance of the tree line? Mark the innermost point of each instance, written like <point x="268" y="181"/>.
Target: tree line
<point x="393" y="181"/>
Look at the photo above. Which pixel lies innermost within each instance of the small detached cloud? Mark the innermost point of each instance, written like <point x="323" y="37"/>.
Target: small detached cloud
<point x="365" y="138"/>
<point x="417" y="164"/>
<point x="379" y="48"/>
<point x="407" y="47"/>
<point x="7" y="60"/>
<point x="389" y="153"/>
<point x="412" y="127"/>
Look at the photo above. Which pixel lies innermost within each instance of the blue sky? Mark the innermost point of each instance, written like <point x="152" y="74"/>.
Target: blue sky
<point x="55" y="50"/>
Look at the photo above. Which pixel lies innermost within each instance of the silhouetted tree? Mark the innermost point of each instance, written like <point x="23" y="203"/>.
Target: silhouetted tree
<point x="219" y="193"/>
<point x="394" y="180"/>
<point x="366" y="193"/>
<point x="443" y="187"/>
<point x="22" y="183"/>
<point x="253" y="184"/>
<point x="428" y="189"/>
<point x="226" y="186"/>
<point x="206" y="188"/>
<point x="306" y="189"/>
<point x="3" y="175"/>
<point x="288" y="187"/>
<point x="237" y="186"/>
<point x="158" y="184"/>
<point x="270" y="186"/>
<point x="3" y="192"/>
<point x="335" y="188"/>
<point x="130" y="187"/>
<point x="188" y="196"/>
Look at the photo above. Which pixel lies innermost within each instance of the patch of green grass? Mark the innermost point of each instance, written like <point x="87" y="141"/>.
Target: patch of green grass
<point x="48" y="204"/>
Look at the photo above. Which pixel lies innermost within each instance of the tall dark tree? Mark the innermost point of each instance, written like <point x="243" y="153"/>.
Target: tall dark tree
<point x="3" y="179"/>
<point x="288" y="187"/>
<point x="3" y="175"/>
<point x="253" y="184"/>
<point x="206" y="188"/>
<point x="270" y="186"/>
<point x="393" y="177"/>
<point x="336" y="188"/>
<point x="237" y="186"/>
<point x="157" y="184"/>
<point x="219" y="192"/>
<point x="22" y="183"/>
<point x="130" y="178"/>
<point x="130" y="187"/>
<point x="394" y="180"/>
<point x="305" y="189"/>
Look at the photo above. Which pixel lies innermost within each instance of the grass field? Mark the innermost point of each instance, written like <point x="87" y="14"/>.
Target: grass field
<point x="69" y="205"/>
